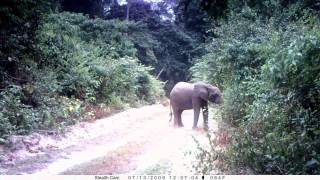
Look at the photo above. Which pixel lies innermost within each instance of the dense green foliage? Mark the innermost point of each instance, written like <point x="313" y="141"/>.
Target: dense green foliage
<point x="19" y="21"/>
<point x="65" y="62"/>
<point x="96" y="58"/>
<point x="167" y="46"/>
<point x="53" y="63"/>
<point x="263" y="54"/>
<point x="268" y="67"/>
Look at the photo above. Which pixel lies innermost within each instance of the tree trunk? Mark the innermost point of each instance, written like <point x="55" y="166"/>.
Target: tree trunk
<point x="128" y="10"/>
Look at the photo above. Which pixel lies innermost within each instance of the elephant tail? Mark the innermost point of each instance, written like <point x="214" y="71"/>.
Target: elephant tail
<point x="170" y="111"/>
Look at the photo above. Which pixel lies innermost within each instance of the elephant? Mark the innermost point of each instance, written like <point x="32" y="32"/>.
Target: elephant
<point x="194" y="96"/>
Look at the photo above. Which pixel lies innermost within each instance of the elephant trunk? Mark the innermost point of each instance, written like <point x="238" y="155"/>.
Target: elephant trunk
<point x="219" y="100"/>
<point x="170" y="112"/>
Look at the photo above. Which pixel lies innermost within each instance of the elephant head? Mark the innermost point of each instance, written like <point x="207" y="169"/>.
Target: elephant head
<point x="208" y="92"/>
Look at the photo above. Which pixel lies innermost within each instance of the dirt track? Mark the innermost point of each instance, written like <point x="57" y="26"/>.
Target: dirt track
<point x="136" y="141"/>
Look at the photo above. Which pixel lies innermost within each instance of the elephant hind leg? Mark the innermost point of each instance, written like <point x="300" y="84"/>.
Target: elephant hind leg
<point x="180" y="124"/>
<point x="177" y="118"/>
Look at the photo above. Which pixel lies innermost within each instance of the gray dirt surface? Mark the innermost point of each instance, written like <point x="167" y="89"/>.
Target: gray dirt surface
<point x="136" y="141"/>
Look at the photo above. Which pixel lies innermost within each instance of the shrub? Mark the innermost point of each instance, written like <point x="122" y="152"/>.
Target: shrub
<point x="80" y="61"/>
<point x="270" y="76"/>
<point x="94" y="59"/>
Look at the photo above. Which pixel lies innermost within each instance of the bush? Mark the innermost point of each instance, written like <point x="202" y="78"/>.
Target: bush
<point x="94" y="59"/>
<point x="18" y="117"/>
<point x="81" y="61"/>
<point x="234" y="61"/>
<point x="270" y="76"/>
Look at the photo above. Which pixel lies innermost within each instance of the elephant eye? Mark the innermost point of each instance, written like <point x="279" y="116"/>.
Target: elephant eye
<point x="213" y="96"/>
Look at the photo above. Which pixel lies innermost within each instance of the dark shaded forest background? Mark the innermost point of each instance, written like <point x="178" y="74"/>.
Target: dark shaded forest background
<point x="66" y="61"/>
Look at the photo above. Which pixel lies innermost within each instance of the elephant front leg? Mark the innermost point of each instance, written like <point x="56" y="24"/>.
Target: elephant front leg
<point x="205" y="116"/>
<point x="196" y="110"/>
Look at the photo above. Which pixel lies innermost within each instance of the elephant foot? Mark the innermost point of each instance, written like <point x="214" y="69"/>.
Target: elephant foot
<point x="206" y="128"/>
<point x="200" y="130"/>
<point x="178" y="126"/>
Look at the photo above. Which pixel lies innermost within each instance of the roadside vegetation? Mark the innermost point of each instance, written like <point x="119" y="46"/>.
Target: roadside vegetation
<point x="62" y="62"/>
<point x="265" y="56"/>
<point x="55" y="66"/>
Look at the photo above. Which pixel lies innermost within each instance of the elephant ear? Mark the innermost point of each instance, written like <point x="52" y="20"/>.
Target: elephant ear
<point x="215" y="95"/>
<point x="200" y="90"/>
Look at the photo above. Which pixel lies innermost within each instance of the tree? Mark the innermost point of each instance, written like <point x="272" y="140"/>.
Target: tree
<point x="197" y="16"/>
<point x="163" y="44"/>
<point x="91" y="7"/>
<point x="19" y="21"/>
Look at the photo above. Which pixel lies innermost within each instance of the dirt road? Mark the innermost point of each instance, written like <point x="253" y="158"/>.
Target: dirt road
<point x="136" y="141"/>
